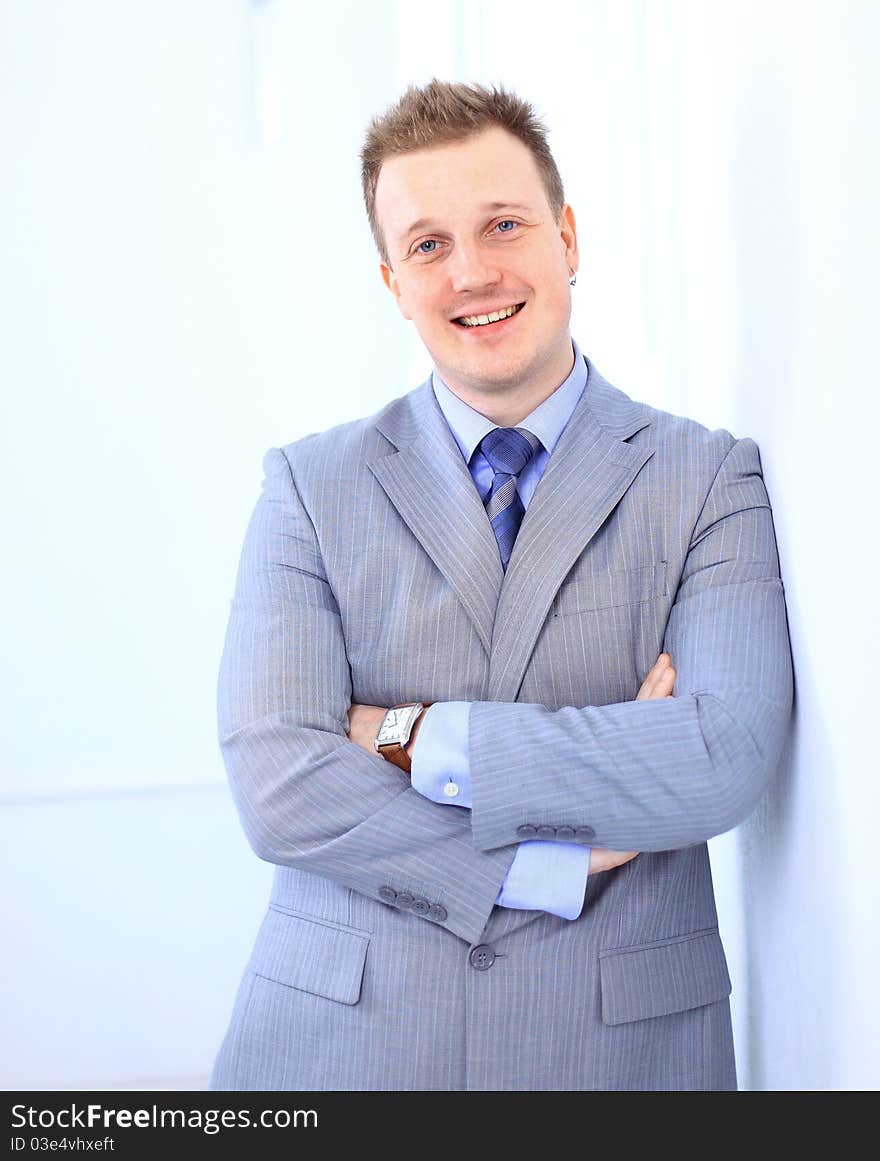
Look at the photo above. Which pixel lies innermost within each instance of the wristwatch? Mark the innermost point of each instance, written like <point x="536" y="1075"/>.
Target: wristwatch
<point x="396" y="730"/>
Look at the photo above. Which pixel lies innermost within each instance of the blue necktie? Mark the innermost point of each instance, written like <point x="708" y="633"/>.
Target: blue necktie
<point x="508" y="450"/>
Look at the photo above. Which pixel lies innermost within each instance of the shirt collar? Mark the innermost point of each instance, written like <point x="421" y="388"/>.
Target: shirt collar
<point x="547" y="421"/>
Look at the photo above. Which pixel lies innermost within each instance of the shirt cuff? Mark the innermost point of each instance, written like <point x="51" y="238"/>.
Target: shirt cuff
<point x="441" y="768"/>
<point x="547" y="876"/>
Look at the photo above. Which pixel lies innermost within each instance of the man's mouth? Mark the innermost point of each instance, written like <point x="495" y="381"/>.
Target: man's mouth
<point x="484" y="320"/>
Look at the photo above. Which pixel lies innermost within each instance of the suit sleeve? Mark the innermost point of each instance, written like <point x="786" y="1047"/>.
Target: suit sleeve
<point x="659" y="775"/>
<point x="306" y="796"/>
<point x="544" y="876"/>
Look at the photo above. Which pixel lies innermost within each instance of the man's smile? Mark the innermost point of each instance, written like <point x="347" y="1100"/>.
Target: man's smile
<point x="495" y="316"/>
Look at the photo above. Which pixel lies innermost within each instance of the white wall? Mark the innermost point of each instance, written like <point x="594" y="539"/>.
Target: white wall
<point x="183" y="244"/>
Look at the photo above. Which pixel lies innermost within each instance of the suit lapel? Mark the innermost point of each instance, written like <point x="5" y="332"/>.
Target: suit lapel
<point x="589" y="472"/>
<point x="428" y="482"/>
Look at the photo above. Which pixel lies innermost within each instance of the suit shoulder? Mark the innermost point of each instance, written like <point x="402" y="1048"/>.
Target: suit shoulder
<point x="681" y="446"/>
<point x="688" y="442"/>
<point x="710" y="454"/>
<point x="616" y="410"/>
<point x="681" y="429"/>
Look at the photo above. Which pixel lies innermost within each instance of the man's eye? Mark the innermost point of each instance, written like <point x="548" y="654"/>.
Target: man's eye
<point x="427" y="247"/>
<point x="506" y="226"/>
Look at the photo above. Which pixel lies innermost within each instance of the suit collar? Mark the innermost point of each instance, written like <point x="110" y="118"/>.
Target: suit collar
<point x="404" y="419"/>
<point x="547" y="421"/>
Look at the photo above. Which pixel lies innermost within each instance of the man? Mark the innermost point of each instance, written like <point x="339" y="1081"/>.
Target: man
<point x="490" y="581"/>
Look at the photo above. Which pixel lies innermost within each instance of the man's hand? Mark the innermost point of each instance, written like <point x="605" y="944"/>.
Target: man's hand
<point x="364" y="722"/>
<point x="659" y="681"/>
<point x="657" y="684"/>
<point x="363" y="725"/>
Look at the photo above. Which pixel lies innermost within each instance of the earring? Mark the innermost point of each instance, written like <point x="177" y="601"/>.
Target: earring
<point x="572" y="280"/>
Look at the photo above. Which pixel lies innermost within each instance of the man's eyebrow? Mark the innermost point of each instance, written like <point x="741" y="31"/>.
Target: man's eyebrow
<point x="507" y="206"/>
<point x="487" y="207"/>
<point x="419" y="225"/>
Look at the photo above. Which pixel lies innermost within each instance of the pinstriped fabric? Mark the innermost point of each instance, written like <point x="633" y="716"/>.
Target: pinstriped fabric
<point x="302" y="952"/>
<point x="306" y="796"/>
<point x="370" y="573"/>
<point x="682" y="769"/>
<point x="639" y="981"/>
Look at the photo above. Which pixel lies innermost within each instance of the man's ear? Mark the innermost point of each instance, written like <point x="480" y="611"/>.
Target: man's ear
<point x="390" y="280"/>
<point x="568" y="232"/>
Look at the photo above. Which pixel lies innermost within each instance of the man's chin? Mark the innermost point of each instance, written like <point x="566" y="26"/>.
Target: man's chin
<point x="490" y="377"/>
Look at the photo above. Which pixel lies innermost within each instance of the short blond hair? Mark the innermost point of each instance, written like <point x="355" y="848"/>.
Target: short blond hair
<point x="443" y="112"/>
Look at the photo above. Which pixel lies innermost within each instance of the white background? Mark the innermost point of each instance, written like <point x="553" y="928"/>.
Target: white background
<point x="187" y="278"/>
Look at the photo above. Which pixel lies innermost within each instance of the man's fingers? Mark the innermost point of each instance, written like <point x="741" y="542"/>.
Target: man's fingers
<point x="605" y="860"/>
<point x="660" y="680"/>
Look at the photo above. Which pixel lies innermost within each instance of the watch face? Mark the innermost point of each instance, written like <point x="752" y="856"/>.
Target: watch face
<point x="391" y="728"/>
<point x="397" y="725"/>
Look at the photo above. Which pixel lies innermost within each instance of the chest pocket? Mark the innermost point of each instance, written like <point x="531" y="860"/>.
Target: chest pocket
<point x="609" y="590"/>
<point x="601" y="636"/>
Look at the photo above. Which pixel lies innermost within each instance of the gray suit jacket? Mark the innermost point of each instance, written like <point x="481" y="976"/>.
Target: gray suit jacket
<point x="370" y="573"/>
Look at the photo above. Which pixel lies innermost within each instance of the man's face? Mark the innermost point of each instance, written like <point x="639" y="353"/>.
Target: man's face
<point x="469" y="232"/>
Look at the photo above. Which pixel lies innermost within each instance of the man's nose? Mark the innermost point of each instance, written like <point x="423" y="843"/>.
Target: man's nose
<point x="472" y="267"/>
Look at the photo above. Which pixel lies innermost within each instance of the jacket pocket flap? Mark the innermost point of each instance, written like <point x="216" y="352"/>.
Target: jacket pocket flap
<point x="584" y="594"/>
<point x="311" y="954"/>
<point x="671" y="975"/>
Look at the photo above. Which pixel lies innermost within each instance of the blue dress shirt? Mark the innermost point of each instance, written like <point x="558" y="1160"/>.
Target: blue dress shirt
<point x="544" y="876"/>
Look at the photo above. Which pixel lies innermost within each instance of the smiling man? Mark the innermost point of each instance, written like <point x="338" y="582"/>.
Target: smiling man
<point x="501" y="659"/>
<point x="485" y="282"/>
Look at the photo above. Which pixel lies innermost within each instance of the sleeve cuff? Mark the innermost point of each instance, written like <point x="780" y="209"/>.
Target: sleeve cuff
<point x="547" y="876"/>
<point x="441" y="756"/>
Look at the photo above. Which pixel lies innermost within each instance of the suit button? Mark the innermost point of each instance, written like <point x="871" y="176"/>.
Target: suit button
<point x="388" y="894"/>
<point x="405" y="900"/>
<point x="584" y="834"/>
<point x="546" y="832"/>
<point x="438" y="911"/>
<point x="482" y="957"/>
<point x="566" y="833"/>
<point x="526" y="831"/>
<point x="420" y="907"/>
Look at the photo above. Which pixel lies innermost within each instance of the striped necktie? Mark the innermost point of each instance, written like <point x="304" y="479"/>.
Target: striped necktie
<point x="508" y="450"/>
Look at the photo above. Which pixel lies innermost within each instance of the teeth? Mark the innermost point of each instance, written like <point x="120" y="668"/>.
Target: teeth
<point x="480" y="320"/>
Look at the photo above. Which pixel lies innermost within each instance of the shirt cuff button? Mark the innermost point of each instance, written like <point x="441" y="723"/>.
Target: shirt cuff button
<point x="450" y="790"/>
